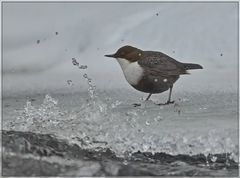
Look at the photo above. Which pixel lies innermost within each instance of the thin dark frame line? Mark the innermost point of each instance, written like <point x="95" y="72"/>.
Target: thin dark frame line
<point x="1" y="86"/>
<point x="238" y="84"/>
<point x="120" y="1"/>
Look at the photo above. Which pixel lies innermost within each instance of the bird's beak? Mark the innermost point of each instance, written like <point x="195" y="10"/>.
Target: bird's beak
<point x="109" y="55"/>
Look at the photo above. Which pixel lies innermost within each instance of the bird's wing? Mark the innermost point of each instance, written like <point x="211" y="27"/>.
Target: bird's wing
<point x="160" y="64"/>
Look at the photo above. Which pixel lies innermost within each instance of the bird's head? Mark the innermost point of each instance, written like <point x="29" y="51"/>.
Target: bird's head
<point x="129" y="53"/>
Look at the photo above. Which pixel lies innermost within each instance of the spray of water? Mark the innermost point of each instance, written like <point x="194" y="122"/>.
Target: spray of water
<point x="38" y="119"/>
<point x="100" y="123"/>
<point x="91" y="86"/>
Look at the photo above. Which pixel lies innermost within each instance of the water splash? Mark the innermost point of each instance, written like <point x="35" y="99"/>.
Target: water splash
<point x="83" y="67"/>
<point x="39" y="118"/>
<point x="75" y="63"/>
<point x="70" y="82"/>
<point x="103" y="122"/>
<point x="91" y="87"/>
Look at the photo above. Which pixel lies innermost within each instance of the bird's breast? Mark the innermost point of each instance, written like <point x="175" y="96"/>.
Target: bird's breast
<point x="133" y="72"/>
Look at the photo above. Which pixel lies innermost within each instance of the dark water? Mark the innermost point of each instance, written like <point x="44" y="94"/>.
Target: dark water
<point x="32" y="154"/>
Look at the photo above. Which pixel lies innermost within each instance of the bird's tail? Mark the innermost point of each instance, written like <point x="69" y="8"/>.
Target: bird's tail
<point x="189" y="66"/>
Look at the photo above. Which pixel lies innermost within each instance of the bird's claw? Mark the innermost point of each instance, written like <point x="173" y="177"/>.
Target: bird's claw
<point x="136" y="104"/>
<point x="168" y="102"/>
<point x="160" y="104"/>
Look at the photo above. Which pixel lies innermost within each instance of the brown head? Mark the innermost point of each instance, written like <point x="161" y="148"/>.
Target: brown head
<point x="129" y="53"/>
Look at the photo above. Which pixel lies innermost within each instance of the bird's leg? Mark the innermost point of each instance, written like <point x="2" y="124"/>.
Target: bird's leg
<point x="136" y="104"/>
<point x="169" y="97"/>
<point x="148" y="96"/>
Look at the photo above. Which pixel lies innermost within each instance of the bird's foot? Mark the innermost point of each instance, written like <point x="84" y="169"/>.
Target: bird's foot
<point x="167" y="103"/>
<point x="160" y="104"/>
<point x="136" y="104"/>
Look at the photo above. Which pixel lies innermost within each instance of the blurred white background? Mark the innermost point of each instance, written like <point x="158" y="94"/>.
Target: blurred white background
<point x="40" y="40"/>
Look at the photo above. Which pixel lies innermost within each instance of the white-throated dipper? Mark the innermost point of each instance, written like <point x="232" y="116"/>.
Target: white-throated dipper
<point x="150" y="71"/>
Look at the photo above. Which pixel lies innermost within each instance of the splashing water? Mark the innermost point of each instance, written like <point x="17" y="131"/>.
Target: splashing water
<point x="37" y="119"/>
<point x="101" y="122"/>
<point x="70" y="82"/>
<point x="75" y="63"/>
<point x="91" y="86"/>
<point x="108" y="123"/>
<point x="83" y="67"/>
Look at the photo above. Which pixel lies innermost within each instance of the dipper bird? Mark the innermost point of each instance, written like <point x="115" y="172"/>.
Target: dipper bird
<point x="151" y="71"/>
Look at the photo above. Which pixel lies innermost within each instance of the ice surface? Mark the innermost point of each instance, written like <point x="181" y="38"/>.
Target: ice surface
<point x="199" y="123"/>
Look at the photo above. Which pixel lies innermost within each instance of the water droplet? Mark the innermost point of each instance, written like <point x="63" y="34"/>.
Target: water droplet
<point x="158" y="118"/>
<point x="69" y="82"/>
<point x="125" y="162"/>
<point x="207" y="163"/>
<point x="74" y="61"/>
<point x="114" y="105"/>
<point x="91" y="87"/>
<point x="202" y="108"/>
<point x="83" y="67"/>
<point x="214" y="159"/>
<point x="145" y="147"/>
<point x="147" y="123"/>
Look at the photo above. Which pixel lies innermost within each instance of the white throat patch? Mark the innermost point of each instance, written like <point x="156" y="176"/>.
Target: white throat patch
<point x="132" y="71"/>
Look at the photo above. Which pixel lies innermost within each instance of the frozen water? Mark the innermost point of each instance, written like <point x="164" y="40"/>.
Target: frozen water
<point x="109" y="123"/>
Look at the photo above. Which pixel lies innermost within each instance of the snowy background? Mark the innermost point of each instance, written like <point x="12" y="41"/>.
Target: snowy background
<point x="204" y="33"/>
